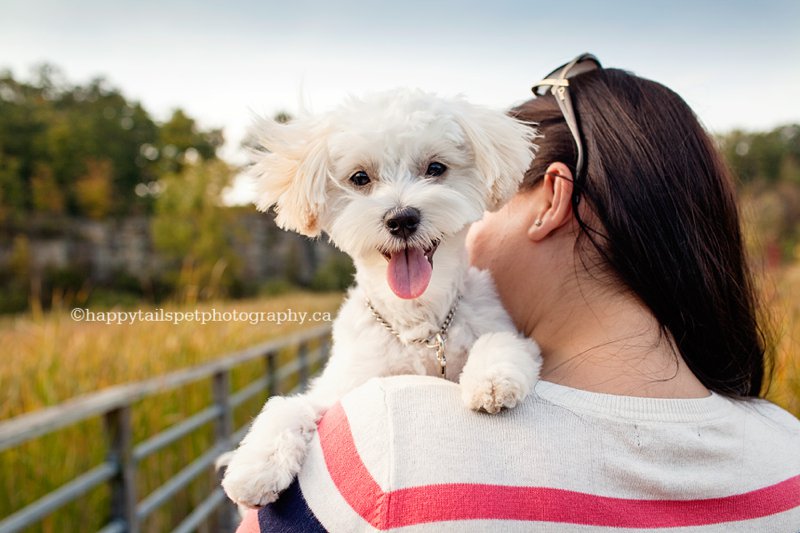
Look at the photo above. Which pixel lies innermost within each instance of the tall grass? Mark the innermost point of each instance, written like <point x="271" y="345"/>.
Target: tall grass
<point x="783" y="299"/>
<point x="50" y="359"/>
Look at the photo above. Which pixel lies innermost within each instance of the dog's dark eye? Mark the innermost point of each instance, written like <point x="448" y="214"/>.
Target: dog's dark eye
<point x="359" y="179"/>
<point x="435" y="169"/>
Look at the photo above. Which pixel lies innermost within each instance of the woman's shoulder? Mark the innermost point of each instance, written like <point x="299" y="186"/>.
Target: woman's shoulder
<point x="423" y="407"/>
<point x="438" y="397"/>
<point x="774" y="416"/>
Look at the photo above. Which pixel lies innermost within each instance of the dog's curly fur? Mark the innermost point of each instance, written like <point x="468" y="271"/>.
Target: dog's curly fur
<point x="303" y="169"/>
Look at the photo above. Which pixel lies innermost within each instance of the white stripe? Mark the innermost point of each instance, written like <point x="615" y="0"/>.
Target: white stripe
<point x="322" y="496"/>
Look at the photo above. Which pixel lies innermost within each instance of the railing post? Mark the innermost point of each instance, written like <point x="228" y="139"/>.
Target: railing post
<point x="221" y="386"/>
<point x="302" y="355"/>
<point x="123" y="485"/>
<point x="325" y="346"/>
<point x="223" y="428"/>
<point x="269" y="362"/>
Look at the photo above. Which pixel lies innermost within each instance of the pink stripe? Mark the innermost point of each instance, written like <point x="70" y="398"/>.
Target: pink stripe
<point x="249" y="523"/>
<point x="348" y="472"/>
<point x="464" y="501"/>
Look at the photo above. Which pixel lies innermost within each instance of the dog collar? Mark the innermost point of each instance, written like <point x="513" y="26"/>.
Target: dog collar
<point x="436" y="341"/>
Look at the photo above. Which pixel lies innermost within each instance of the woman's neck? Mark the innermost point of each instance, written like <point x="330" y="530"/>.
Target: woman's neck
<point x="611" y="343"/>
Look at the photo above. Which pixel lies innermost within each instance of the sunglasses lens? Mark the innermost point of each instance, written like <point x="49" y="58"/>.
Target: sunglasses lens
<point x="586" y="65"/>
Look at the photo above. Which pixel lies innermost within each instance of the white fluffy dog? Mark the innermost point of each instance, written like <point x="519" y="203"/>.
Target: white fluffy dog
<point x="395" y="180"/>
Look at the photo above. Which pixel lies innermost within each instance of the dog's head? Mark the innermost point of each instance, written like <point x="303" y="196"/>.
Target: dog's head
<point x="391" y="177"/>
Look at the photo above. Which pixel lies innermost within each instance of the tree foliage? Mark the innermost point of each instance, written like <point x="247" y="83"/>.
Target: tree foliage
<point x="87" y="150"/>
<point x="767" y="166"/>
<point x="189" y="227"/>
<point x="772" y="156"/>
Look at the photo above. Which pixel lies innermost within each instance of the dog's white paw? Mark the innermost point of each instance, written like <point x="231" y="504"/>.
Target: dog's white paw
<point x="250" y="488"/>
<point x="256" y="475"/>
<point x="500" y="372"/>
<point x="272" y="452"/>
<point x="491" y="393"/>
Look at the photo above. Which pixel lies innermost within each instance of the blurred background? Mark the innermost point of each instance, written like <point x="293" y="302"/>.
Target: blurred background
<point x="122" y="134"/>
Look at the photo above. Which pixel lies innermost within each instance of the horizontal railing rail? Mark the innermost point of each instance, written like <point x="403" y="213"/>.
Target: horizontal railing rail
<point x="114" y="404"/>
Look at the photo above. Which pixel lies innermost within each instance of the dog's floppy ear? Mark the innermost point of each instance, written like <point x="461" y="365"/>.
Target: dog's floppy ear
<point x="503" y="149"/>
<point x="291" y="170"/>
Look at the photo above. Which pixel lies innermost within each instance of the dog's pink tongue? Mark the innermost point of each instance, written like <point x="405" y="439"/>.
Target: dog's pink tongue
<point x="409" y="273"/>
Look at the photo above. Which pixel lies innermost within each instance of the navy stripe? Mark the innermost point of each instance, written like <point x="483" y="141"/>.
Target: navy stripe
<point x="290" y="513"/>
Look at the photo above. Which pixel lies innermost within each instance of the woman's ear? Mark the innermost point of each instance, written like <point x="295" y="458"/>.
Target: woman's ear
<point x="553" y="205"/>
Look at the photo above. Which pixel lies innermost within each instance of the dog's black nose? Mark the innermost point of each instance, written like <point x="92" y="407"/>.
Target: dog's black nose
<point x="403" y="222"/>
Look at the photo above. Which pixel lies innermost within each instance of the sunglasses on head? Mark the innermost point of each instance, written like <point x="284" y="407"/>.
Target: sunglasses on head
<point x="557" y="84"/>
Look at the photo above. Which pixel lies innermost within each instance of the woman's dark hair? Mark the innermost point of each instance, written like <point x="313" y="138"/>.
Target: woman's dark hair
<point x="668" y="219"/>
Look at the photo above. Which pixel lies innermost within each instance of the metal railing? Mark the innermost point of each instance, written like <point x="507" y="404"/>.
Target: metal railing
<point x="119" y="469"/>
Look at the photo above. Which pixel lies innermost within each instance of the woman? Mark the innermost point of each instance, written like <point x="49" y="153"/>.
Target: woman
<point x="622" y="257"/>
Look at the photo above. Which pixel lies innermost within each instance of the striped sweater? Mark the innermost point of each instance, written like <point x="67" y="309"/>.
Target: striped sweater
<point x="403" y="454"/>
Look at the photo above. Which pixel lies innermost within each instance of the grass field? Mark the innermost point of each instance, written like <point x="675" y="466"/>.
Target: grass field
<point x="54" y="358"/>
<point x="783" y="301"/>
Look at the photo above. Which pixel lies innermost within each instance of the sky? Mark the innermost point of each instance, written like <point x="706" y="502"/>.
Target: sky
<point x="737" y="63"/>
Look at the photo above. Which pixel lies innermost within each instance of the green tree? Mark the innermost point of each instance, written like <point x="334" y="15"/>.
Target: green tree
<point x="93" y="189"/>
<point x="181" y="142"/>
<point x="190" y="227"/>
<point x="769" y="157"/>
<point x="46" y="195"/>
<point x="47" y="123"/>
<point x="12" y="194"/>
<point x="767" y="165"/>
